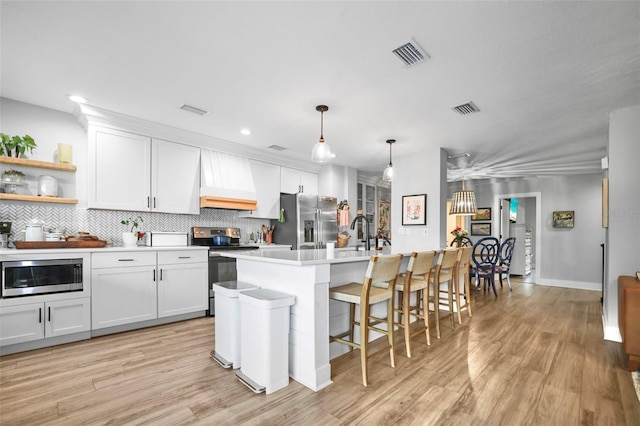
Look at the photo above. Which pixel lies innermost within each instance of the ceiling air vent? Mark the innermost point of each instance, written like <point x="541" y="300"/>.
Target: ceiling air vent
<point x="194" y="109"/>
<point x="410" y="53"/>
<point x="277" y="147"/>
<point x="464" y="109"/>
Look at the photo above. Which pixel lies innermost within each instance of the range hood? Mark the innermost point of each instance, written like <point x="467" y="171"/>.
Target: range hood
<point x="226" y="181"/>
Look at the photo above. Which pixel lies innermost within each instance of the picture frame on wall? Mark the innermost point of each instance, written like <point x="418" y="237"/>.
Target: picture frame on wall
<point x="563" y="218"/>
<point x="414" y="209"/>
<point x="484" y="213"/>
<point x="481" y="229"/>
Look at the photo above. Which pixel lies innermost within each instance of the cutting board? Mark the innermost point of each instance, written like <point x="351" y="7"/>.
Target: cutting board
<point x="59" y="244"/>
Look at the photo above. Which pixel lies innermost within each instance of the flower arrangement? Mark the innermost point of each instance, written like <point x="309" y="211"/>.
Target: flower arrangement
<point x="458" y="234"/>
<point x="134" y="222"/>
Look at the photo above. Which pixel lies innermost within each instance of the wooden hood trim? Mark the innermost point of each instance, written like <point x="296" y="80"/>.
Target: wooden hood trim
<point x="227" y="203"/>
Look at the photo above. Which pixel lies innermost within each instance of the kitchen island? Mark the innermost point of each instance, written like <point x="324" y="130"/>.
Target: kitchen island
<point x="307" y="275"/>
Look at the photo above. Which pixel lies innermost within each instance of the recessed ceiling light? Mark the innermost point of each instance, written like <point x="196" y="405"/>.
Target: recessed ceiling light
<point x="77" y="99"/>
<point x="245" y="131"/>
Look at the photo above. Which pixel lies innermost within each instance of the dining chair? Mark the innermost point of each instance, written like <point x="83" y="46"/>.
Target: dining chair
<point x="442" y="282"/>
<point x="504" y="261"/>
<point x="462" y="269"/>
<point x="486" y="252"/>
<point x="414" y="282"/>
<point x="378" y="286"/>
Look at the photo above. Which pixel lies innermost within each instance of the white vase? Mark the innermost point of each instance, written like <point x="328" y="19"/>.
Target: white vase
<point x="129" y="239"/>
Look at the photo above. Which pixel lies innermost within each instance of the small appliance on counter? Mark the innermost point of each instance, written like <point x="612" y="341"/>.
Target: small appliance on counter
<point x="166" y="239"/>
<point x="5" y="230"/>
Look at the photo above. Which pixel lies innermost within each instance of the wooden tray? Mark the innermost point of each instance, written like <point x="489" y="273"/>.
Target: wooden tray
<point x="59" y="244"/>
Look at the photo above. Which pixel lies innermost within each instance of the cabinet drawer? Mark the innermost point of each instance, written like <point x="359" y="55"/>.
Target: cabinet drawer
<point x="183" y="256"/>
<point x="123" y="259"/>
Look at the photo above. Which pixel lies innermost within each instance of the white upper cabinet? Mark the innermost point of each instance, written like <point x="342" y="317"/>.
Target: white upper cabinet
<point x="266" y="178"/>
<point x="293" y="181"/>
<point x="175" y="177"/>
<point x="135" y="172"/>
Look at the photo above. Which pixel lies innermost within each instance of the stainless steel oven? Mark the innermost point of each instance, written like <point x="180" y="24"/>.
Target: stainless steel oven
<point x="221" y="268"/>
<point x="30" y="277"/>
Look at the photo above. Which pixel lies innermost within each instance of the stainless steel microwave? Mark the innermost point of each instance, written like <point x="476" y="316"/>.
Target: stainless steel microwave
<point x="30" y="277"/>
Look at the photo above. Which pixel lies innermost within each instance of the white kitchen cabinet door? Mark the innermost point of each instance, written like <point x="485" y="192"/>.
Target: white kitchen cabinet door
<point x="175" y="181"/>
<point x="19" y="324"/>
<point x="266" y="179"/>
<point x="67" y="316"/>
<point x="119" y="170"/>
<point x="293" y="181"/>
<point x="123" y="296"/>
<point x="182" y="289"/>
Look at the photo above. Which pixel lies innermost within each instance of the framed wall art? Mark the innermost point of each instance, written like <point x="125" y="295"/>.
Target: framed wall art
<point x="563" y="219"/>
<point x="481" y="229"/>
<point x="484" y="213"/>
<point x="414" y="209"/>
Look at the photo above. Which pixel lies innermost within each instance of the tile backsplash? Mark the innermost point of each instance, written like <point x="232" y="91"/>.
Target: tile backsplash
<point x="106" y="223"/>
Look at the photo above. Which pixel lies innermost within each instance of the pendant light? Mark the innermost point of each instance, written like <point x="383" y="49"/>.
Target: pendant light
<point x="463" y="203"/>
<point x="321" y="152"/>
<point x="387" y="176"/>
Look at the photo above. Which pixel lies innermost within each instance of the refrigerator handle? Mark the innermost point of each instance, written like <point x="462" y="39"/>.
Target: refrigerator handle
<point x="318" y="229"/>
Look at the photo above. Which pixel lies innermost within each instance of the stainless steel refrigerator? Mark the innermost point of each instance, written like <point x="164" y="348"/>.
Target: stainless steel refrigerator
<point x="310" y="221"/>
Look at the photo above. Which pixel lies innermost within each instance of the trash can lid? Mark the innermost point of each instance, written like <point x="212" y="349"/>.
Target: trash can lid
<point x="232" y="288"/>
<point x="266" y="299"/>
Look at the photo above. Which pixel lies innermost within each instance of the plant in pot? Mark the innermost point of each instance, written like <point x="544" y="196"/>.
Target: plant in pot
<point x="16" y="146"/>
<point x="130" y="238"/>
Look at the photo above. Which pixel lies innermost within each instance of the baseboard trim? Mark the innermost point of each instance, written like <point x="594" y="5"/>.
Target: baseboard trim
<point x="578" y="285"/>
<point x="611" y="332"/>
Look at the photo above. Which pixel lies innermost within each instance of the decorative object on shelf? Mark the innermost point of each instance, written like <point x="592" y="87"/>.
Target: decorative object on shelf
<point x="321" y="152"/>
<point x="563" y="219"/>
<point x="130" y="239"/>
<point x="458" y="235"/>
<point x="16" y="146"/>
<point x="64" y="153"/>
<point x="463" y="202"/>
<point x="387" y="176"/>
<point x="47" y="186"/>
<point x="12" y="176"/>
<point x="481" y="229"/>
<point x="414" y="209"/>
<point x="484" y="213"/>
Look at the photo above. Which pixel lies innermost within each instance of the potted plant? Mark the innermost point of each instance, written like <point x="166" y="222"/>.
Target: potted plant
<point x="16" y="146"/>
<point x="130" y="238"/>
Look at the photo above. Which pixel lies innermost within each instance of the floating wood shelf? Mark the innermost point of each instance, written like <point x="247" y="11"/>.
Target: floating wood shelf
<point x="36" y="163"/>
<point x="20" y="197"/>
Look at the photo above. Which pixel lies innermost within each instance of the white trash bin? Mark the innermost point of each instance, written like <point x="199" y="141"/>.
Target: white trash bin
<point x="227" y="322"/>
<point x="264" y="348"/>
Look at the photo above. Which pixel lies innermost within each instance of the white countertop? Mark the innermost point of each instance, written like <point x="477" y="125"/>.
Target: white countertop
<point x="15" y="252"/>
<point x="302" y="257"/>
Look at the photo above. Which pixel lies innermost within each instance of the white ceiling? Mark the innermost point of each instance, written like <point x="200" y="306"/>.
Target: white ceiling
<point x="544" y="74"/>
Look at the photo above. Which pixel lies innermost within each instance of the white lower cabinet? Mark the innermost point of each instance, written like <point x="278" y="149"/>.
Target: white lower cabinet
<point x="26" y="323"/>
<point x="182" y="285"/>
<point x="129" y="287"/>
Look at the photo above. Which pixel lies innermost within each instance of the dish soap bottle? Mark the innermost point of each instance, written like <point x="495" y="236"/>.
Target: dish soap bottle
<point x="379" y="240"/>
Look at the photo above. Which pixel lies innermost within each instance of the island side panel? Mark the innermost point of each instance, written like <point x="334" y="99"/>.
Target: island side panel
<point x="309" y="326"/>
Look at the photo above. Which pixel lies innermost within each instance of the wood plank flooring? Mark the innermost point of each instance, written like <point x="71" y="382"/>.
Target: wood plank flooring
<point x="534" y="356"/>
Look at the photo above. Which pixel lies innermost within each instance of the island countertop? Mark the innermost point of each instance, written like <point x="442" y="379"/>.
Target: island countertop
<point x="303" y="257"/>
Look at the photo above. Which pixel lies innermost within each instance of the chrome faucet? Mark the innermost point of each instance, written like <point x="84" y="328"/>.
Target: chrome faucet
<point x="367" y="240"/>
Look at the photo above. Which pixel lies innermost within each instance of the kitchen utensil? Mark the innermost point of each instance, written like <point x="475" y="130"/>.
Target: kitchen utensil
<point x="47" y="186"/>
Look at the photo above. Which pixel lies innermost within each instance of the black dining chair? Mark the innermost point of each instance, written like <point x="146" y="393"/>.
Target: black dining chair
<point x="465" y="242"/>
<point x="486" y="253"/>
<point x="504" y="261"/>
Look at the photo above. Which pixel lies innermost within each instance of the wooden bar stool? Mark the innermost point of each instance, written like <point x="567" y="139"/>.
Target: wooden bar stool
<point x="462" y="267"/>
<point x="442" y="282"/>
<point x="378" y="286"/>
<point x="415" y="281"/>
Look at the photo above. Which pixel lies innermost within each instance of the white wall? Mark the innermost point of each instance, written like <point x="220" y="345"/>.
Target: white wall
<point x="419" y="173"/>
<point x="623" y="234"/>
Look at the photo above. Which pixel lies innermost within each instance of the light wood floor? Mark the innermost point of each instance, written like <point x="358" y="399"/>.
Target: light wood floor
<point x="533" y="356"/>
